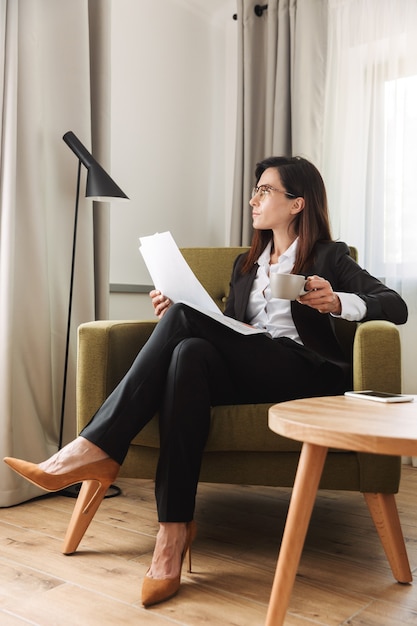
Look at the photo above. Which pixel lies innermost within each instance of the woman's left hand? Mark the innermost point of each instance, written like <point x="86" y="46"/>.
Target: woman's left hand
<point x="321" y="296"/>
<point x="160" y="302"/>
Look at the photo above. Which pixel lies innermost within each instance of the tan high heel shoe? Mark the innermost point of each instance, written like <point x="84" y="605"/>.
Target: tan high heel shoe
<point x="96" y="478"/>
<point x="155" y="590"/>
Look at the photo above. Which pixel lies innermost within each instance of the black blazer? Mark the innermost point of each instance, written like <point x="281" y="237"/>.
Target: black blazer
<point x="333" y="262"/>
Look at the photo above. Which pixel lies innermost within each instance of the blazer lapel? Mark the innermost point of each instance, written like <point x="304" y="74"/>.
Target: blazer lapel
<point x="242" y="292"/>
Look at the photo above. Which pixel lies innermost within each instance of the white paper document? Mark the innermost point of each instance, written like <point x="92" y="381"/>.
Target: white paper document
<point x="173" y="277"/>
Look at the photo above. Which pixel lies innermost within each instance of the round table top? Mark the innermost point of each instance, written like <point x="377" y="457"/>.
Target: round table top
<point x="349" y="424"/>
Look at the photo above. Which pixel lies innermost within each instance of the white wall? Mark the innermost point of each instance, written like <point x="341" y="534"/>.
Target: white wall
<point x="173" y="125"/>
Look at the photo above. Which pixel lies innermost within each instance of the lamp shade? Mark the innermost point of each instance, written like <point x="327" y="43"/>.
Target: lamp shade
<point x="100" y="186"/>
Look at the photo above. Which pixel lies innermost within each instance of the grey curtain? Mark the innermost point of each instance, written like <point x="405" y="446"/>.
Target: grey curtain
<point x="99" y="12"/>
<point x="281" y="86"/>
<point x="49" y="83"/>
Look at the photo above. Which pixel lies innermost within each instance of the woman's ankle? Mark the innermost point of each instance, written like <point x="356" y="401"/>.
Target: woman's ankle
<point x="78" y="452"/>
<point x="170" y="542"/>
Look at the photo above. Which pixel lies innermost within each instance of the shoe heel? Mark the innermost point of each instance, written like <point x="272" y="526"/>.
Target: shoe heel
<point x="189" y="560"/>
<point x="89" y="499"/>
<point x="191" y="534"/>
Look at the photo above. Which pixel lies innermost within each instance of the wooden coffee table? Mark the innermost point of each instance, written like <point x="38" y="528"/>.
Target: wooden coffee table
<point x="348" y="424"/>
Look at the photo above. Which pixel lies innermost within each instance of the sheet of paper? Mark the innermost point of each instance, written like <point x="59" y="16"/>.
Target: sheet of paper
<point x="172" y="275"/>
<point x="240" y="327"/>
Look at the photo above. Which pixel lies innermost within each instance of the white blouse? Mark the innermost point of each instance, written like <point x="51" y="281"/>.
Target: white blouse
<point x="274" y="314"/>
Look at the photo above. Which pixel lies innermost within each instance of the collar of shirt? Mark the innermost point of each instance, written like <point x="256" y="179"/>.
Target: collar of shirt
<point x="285" y="262"/>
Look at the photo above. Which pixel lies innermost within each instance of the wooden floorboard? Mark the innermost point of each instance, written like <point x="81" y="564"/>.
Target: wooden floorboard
<point x="343" y="578"/>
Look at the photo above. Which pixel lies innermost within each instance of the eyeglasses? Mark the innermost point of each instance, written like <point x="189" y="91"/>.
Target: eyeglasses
<point x="265" y="190"/>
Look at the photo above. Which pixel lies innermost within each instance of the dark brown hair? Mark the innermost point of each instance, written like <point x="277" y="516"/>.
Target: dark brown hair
<point x="300" y="178"/>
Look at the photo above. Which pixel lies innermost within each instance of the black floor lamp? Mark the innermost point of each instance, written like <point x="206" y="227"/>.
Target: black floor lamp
<point x="99" y="187"/>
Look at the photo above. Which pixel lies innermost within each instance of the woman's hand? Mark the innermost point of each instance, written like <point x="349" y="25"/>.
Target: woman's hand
<point x="160" y="302"/>
<point x="321" y="296"/>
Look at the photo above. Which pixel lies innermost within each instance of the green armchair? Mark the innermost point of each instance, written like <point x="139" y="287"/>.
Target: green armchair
<point x="241" y="449"/>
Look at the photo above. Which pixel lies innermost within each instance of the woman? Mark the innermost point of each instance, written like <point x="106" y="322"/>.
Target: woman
<point x="192" y="362"/>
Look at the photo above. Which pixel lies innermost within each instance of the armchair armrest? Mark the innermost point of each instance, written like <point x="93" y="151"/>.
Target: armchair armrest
<point x="377" y="357"/>
<point x="107" y="350"/>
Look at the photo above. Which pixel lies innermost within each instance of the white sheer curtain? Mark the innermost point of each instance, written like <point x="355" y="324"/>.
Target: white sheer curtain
<point x="371" y="126"/>
<point x="45" y="91"/>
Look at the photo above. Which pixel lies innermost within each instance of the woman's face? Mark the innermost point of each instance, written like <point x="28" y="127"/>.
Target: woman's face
<point x="271" y="208"/>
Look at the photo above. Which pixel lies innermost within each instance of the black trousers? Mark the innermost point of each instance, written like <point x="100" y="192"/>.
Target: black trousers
<point x="189" y="364"/>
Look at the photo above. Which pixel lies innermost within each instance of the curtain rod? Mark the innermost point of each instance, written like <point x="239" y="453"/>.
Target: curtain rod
<point x="257" y="9"/>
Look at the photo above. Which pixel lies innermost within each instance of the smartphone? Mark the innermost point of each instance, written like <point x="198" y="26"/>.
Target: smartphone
<point x="380" y="396"/>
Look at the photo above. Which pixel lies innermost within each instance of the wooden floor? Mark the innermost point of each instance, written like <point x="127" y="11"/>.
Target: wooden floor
<point x="343" y="577"/>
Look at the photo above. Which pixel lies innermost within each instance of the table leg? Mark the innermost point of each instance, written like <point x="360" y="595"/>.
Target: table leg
<point x="384" y="512"/>
<point x="303" y="496"/>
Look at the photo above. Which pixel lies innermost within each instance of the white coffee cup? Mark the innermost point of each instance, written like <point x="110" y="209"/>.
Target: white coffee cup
<point x="287" y="286"/>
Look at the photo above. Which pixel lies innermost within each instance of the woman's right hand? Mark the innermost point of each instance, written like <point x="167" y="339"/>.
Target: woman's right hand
<point x="160" y="302"/>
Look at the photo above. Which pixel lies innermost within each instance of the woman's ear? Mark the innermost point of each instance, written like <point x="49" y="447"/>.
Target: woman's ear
<point x="298" y="205"/>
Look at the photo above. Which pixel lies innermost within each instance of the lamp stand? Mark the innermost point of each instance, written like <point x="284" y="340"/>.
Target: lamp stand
<point x="74" y="243"/>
